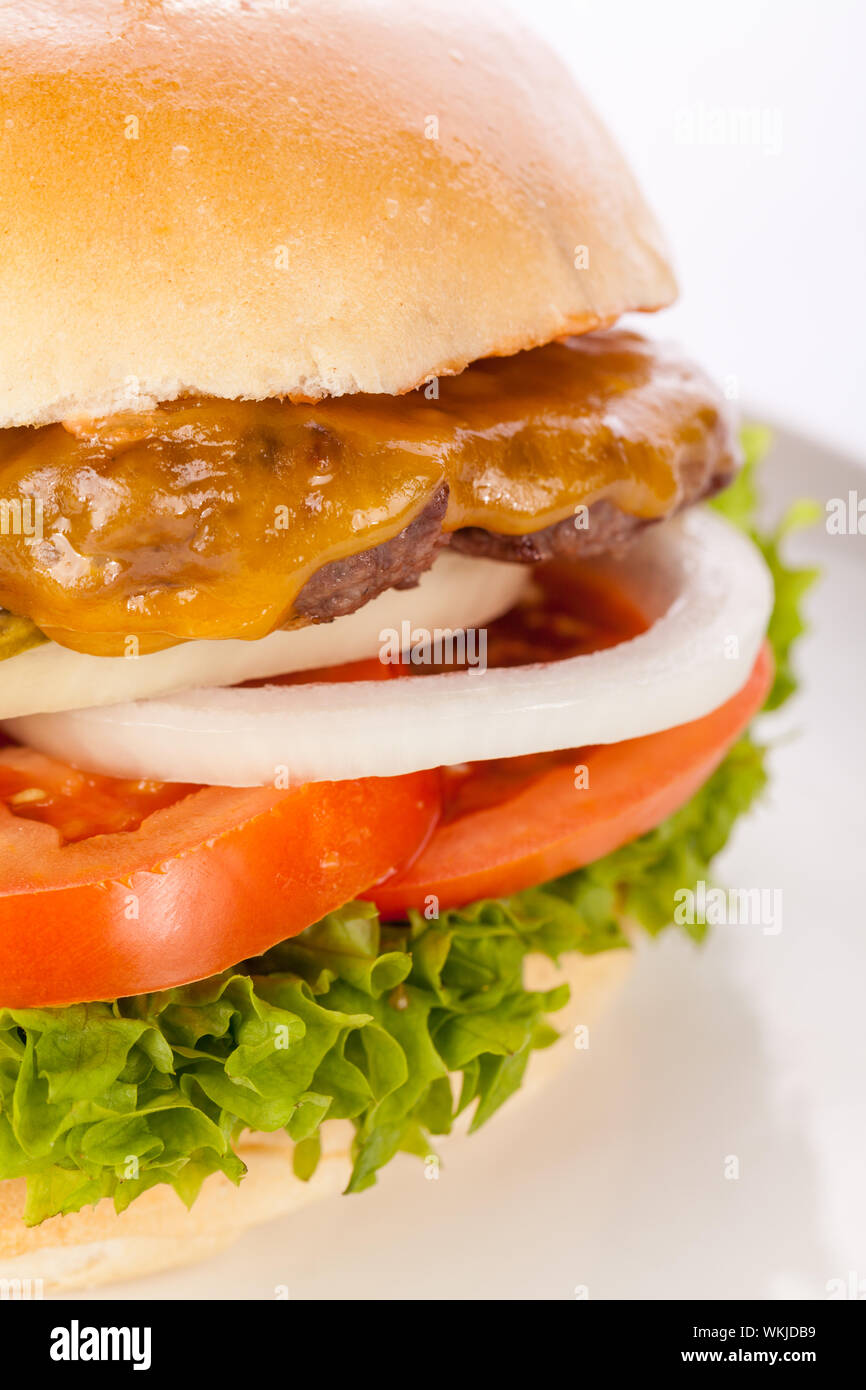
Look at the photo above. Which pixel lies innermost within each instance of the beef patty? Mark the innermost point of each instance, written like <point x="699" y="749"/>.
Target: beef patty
<point x="346" y="585"/>
<point x="206" y="518"/>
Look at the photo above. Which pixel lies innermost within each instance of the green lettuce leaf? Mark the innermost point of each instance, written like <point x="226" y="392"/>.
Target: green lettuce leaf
<point x="353" y="1019"/>
<point x="17" y="635"/>
<point x="740" y="503"/>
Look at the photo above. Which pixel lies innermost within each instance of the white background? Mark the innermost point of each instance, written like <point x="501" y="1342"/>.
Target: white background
<point x="769" y="248"/>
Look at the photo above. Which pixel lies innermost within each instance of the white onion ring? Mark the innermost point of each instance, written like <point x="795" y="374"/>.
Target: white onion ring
<point x="705" y="580"/>
<point x="457" y="591"/>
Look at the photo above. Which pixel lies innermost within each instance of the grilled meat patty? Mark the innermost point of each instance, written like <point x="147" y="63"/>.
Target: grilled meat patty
<point x="346" y="585"/>
<point x="206" y="518"/>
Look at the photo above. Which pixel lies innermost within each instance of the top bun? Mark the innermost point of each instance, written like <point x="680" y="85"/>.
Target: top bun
<point x="294" y="197"/>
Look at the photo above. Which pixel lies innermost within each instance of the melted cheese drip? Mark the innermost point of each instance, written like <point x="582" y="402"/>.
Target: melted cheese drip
<point x="205" y="518"/>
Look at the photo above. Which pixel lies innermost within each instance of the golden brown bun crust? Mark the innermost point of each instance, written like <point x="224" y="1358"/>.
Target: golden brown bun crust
<point x="306" y="199"/>
<point x="95" y="1246"/>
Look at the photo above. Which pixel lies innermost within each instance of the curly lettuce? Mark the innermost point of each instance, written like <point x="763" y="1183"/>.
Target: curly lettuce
<point x="353" y="1019"/>
<point x="17" y="635"/>
<point x="740" y="503"/>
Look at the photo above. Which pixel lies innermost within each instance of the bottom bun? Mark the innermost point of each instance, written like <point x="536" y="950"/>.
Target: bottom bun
<point x="96" y="1246"/>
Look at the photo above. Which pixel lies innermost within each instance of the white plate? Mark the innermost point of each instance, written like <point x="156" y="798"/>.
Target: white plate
<point x="753" y="1046"/>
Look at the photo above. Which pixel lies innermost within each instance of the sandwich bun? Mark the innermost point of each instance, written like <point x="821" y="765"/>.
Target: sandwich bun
<point x="263" y="199"/>
<point x="96" y="1246"/>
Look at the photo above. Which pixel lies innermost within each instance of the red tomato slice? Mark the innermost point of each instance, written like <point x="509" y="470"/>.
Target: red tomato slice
<point x="367" y="669"/>
<point x="216" y="877"/>
<point x="109" y="888"/>
<point x="512" y="827"/>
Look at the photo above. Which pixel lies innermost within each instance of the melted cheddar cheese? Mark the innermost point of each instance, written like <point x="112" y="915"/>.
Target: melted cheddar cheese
<point x="204" y="518"/>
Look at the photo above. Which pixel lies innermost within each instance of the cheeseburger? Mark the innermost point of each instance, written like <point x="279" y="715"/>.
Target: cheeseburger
<point x="371" y="667"/>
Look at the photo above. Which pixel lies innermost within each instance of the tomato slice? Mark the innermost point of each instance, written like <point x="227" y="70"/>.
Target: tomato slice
<point x="369" y="668"/>
<point x="216" y="877"/>
<point x="78" y="804"/>
<point x="110" y="888"/>
<point x="523" y="821"/>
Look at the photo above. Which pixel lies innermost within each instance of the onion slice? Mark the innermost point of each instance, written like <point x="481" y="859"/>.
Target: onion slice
<point x="703" y="582"/>
<point x="458" y="591"/>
